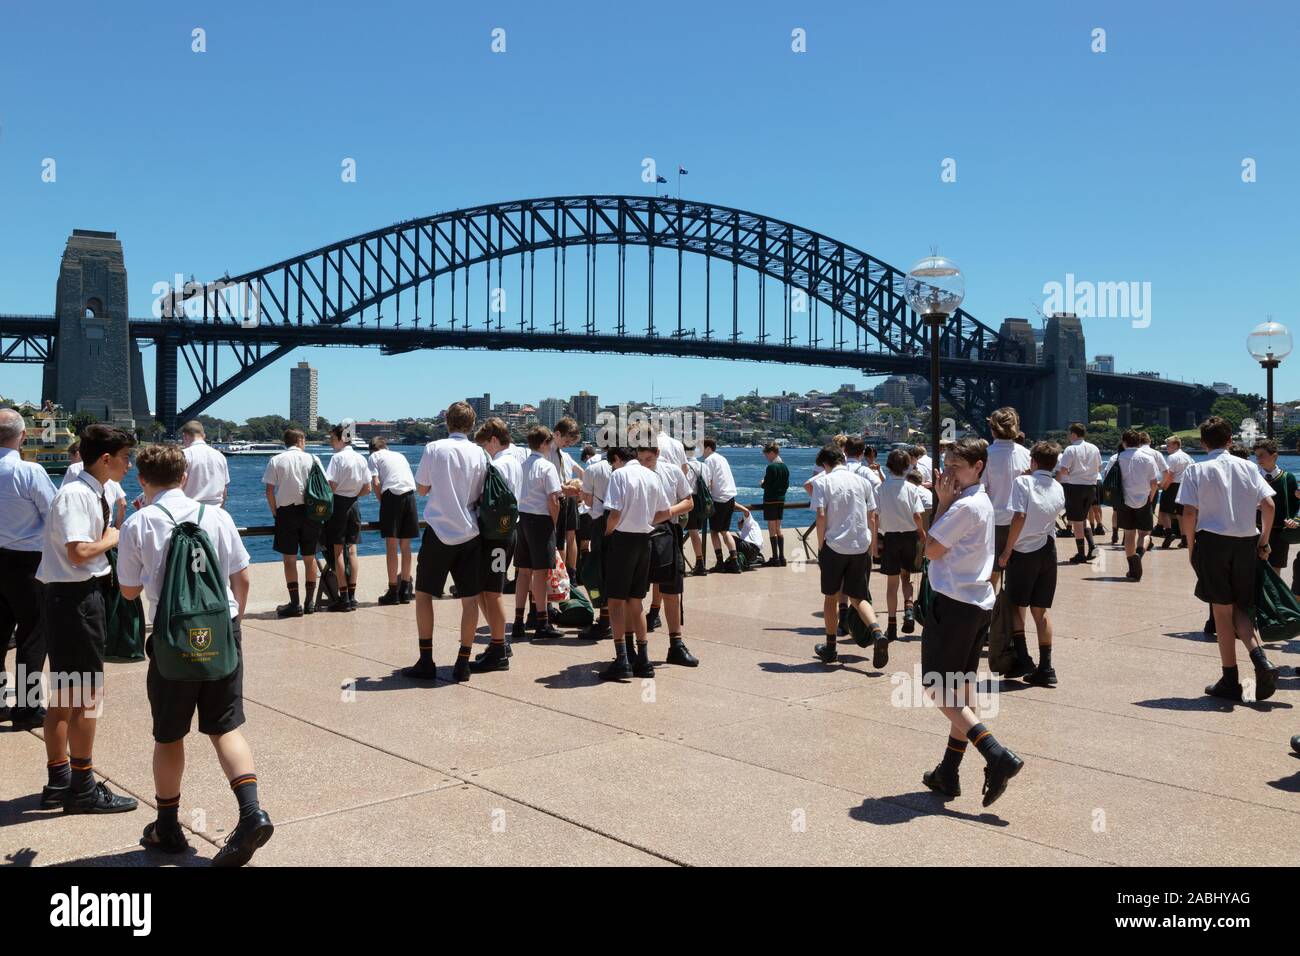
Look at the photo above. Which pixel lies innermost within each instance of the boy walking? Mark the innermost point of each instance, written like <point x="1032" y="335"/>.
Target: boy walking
<point x="349" y="478"/>
<point x="539" y="509"/>
<point x="902" y="533"/>
<point x="1078" y="471"/>
<point x="74" y="570"/>
<point x="1030" y="559"/>
<point x="775" y="483"/>
<point x="393" y="484"/>
<point x="142" y="564"/>
<point x="960" y="550"/>
<point x="1219" y="497"/>
<point x="1139" y="476"/>
<point x="285" y="478"/>
<point x="1170" y="509"/>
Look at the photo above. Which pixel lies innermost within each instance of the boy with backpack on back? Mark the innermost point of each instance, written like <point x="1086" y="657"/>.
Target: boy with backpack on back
<point x="216" y="563"/>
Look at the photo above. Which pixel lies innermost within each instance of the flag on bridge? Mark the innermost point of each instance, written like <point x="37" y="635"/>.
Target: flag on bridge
<point x="660" y="179"/>
<point x="681" y="171"/>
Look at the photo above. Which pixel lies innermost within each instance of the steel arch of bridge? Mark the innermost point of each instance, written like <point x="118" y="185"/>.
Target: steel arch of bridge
<point x="322" y="297"/>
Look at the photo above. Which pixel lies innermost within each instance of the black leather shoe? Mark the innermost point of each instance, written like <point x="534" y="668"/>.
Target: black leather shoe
<point x="405" y="590"/>
<point x="165" y="840"/>
<point x="1224" y="690"/>
<point x="461" y="671"/>
<point x="1091" y="555"/>
<point x="292" y="609"/>
<point x="641" y="666"/>
<point x="1023" y="665"/>
<point x="341" y="605"/>
<point x="352" y="602"/>
<point x="909" y="620"/>
<point x="699" y="570"/>
<point x="1134" y="569"/>
<point x="880" y="654"/>
<point x="421" y="671"/>
<point x="1265" y="680"/>
<point x="652" y="619"/>
<point x="679" y="654"/>
<point x="1295" y="743"/>
<point x="482" y="655"/>
<point x="1210" y="628"/>
<point x="1078" y="559"/>
<point x="548" y="633"/>
<point x="997" y="773"/>
<point x="493" y="659"/>
<point x="597" y="632"/>
<point x="518" y="632"/>
<point x="52" y="798"/>
<point x="99" y="800"/>
<point x="617" y="670"/>
<point x="940" y="782"/>
<point x="309" y="607"/>
<point x="1041" y="677"/>
<point x="731" y="566"/>
<point x="246" y="839"/>
<point x="389" y="597"/>
<point x="828" y="654"/>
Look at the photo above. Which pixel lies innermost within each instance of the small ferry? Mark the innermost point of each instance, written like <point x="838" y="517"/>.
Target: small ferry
<point x="48" y="438"/>
<point x="265" y="449"/>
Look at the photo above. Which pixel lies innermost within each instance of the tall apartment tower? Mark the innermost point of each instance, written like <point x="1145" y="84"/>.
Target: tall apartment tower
<point x="584" y="408"/>
<point x="302" y="396"/>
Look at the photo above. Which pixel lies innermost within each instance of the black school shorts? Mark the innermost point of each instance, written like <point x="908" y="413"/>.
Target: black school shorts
<point x="845" y="573"/>
<point x="898" y="551"/>
<point x="398" y="517"/>
<point x="344" y="526"/>
<point x="294" y="534"/>
<point x="584" y="526"/>
<point x="720" y="520"/>
<point x="1031" y="576"/>
<point x="220" y="703"/>
<point x="436" y="560"/>
<point x="1133" y="519"/>
<point x="74" y="618"/>
<point x="1225" y="569"/>
<point x="535" y="542"/>
<point x="1078" y="499"/>
<point x="953" y="636"/>
<point x="627" y="568"/>
<point x="496" y="557"/>
<point x="1169" y="500"/>
<point x="773" y="510"/>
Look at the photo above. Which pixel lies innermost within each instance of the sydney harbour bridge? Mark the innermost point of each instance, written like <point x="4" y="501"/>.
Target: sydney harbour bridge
<point x="566" y="274"/>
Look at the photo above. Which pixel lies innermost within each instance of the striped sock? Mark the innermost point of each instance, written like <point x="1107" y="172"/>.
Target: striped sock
<point x="426" y="650"/>
<point x="168" y="811"/>
<point x="60" y="772"/>
<point x="952" y="755"/>
<point x="462" y="654"/>
<point x="83" y="775"/>
<point x="245" y="788"/>
<point x="293" y="593"/>
<point x="985" y="742"/>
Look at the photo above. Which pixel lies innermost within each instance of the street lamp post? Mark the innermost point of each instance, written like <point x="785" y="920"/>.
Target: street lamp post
<point x="1269" y="343"/>
<point x="935" y="288"/>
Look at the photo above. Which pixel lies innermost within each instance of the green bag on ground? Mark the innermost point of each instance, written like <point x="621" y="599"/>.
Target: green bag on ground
<point x="318" y="496"/>
<point x="125" y="622"/>
<point x="576" y="611"/>
<point x="703" y="501"/>
<point x="498" y="509"/>
<point x="1112" y="489"/>
<point x="589" y="575"/>
<point x="192" y="636"/>
<point x="1277" y="612"/>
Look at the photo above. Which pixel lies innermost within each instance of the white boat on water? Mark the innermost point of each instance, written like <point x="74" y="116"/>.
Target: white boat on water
<point x="265" y="449"/>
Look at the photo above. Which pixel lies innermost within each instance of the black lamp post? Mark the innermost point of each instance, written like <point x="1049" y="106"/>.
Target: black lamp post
<point x="935" y="288"/>
<point x="1269" y="343"/>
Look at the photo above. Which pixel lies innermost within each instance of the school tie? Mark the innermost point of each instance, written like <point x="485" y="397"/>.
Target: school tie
<point x="103" y="508"/>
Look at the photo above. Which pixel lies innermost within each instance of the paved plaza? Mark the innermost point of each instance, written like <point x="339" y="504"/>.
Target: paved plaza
<point x="761" y="755"/>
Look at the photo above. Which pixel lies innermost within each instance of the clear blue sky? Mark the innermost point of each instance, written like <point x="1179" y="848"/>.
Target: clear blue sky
<point x="1115" y="166"/>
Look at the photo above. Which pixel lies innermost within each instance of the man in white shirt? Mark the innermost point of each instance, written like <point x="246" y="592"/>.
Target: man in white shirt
<point x="540" y="507"/>
<point x="636" y="503"/>
<point x="902" y="532"/>
<point x="206" y="471"/>
<point x="1078" y="471"/>
<point x="75" y="573"/>
<point x="1220" y="496"/>
<point x="1175" y="465"/>
<point x="142" y="564"/>
<point x="1007" y="461"/>
<point x="26" y="493"/>
<point x="349" y="478"/>
<point x="494" y="438"/>
<point x="845" y="504"/>
<point x="960" y="549"/>
<point x="722" y="488"/>
<point x="451" y="472"/>
<point x="393" y="483"/>
<point x="1140" y="476"/>
<point x="285" y="478"/>
<point x="669" y="584"/>
<point x="1030" y="559"/>
<point x="595" y="489"/>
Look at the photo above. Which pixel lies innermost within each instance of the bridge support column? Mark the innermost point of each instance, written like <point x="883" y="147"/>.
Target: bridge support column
<point x="164" y="410"/>
<point x="1125" y="417"/>
<point x="1062" y="397"/>
<point x="1164" y="415"/>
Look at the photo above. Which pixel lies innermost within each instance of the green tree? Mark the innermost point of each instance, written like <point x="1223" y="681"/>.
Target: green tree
<point x="1103" y="413"/>
<point x="266" y="427"/>
<point x="1231" y="409"/>
<point x="79" y="422"/>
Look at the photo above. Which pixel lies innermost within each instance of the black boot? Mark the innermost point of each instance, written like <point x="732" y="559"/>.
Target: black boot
<point x="909" y="620"/>
<point x="1134" y="568"/>
<point x="494" y="658"/>
<point x="599" y="631"/>
<point x="652" y="619"/>
<point x="641" y="666"/>
<point x="292" y="609"/>
<point x="391" y="596"/>
<point x="1265" y="675"/>
<point x="405" y="590"/>
<point x="679" y="654"/>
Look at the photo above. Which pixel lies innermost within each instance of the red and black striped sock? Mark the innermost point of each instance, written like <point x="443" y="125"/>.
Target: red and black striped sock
<point x="60" y="772"/>
<point x="245" y="788"/>
<point x="426" y="650"/>
<point x="83" y="775"/>
<point x="952" y="755"/>
<point x="168" y="811"/>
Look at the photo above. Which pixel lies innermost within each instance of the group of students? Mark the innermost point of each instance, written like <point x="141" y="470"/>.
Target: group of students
<point x="61" y="554"/>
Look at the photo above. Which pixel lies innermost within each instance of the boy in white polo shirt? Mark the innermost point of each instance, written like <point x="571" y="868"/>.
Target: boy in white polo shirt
<point x="902" y="532"/>
<point x="451" y="472"/>
<point x="1078" y="471"/>
<point x="960" y="550"/>
<point x="636" y="503"/>
<point x="595" y="489"/>
<point x="393" y="484"/>
<point x="535" y="544"/>
<point x="722" y="487"/>
<point x="349" y="478"/>
<point x="1008" y="460"/>
<point x="1220" y="496"/>
<point x="1176" y="463"/>
<point x="669" y="588"/>
<point x="845" y="504"/>
<point x="285" y="479"/>
<point x="142" y="565"/>
<point x="1140" y="477"/>
<point x="75" y="573"/>
<point x="1030" y="559"/>
<point x="494" y="438"/>
<point x="206" y="471"/>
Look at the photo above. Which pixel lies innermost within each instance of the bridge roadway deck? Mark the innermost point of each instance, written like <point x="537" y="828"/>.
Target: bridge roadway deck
<point x="762" y="755"/>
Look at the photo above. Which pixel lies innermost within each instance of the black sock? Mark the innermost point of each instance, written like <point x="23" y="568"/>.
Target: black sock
<point x="168" y="812"/>
<point x="1230" y="675"/>
<point x="60" y="773"/>
<point x="293" y="593"/>
<point x="1079" y="545"/>
<point x="462" y="652"/>
<point x="310" y="593"/>
<point x="620" y="651"/>
<point x="1258" y="658"/>
<point x="830" y="641"/>
<point x="604" y="616"/>
<point x="83" y="775"/>
<point x="519" y="614"/>
<point x="985" y="742"/>
<point x="780" y="545"/>
<point x="1044" y="656"/>
<point x="426" y="650"/>
<point x="717" y="553"/>
<point x="352" y="594"/>
<point x="674" y="640"/>
<point x="1087" y="536"/>
<point x="952" y="755"/>
<point x="245" y="787"/>
<point x="1018" y="639"/>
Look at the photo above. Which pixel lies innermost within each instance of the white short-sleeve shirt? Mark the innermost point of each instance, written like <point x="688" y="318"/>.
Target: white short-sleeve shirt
<point x="717" y="474"/>
<point x="1226" y="491"/>
<point x="206" y="472"/>
<point x="595" y="482"/>
<point x="540" y="481"/>
<point x="142" y="548"/>
<point x="1138" y="470"/>
<point x="671" y="450"/>
<point x="1040" y="498"/>
<point x="676" y="487"/>
<point x="393" y="471"/>
<point x="1177" y="464"/>
<point x="348" y="472"/>
<point x="1081" y="462"/>
<point x="900" y="502"/>
<point x="637" y="494"/>
<point x="113" y="491"/>
<point x="75" y="516"/>
<point x="1008" y="460"/>
<point x="966" y="530"/>
<point x="287" y="473"/>
<point x="511" y="469"/>
<point x="847" y="499"/>
<point x="454" y="469"/>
